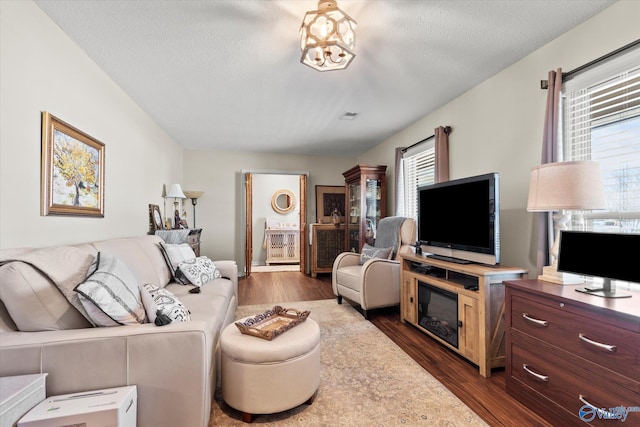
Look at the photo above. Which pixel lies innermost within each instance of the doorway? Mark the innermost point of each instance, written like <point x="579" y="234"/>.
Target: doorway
<point x="284" y="208"/>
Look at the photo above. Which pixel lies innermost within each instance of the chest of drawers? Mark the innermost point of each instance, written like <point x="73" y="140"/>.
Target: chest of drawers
<point x="573" y="357"/>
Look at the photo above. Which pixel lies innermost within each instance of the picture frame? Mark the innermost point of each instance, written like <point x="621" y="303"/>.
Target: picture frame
<point x="72" y="170"/>
<point x="155" y="219"/>
<point x="328" y="198"/>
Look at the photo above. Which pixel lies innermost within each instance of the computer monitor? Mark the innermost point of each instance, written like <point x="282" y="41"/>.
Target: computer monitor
<point x="611" y="256"/>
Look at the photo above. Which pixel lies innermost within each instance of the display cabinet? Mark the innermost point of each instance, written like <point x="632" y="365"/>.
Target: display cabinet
<point x="365" y="204"/>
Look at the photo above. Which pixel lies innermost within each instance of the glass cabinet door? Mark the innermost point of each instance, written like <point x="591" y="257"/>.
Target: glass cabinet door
<point x="365" y="188"/>
<point x="353" y="224"/>
<point x="374" y="209"/>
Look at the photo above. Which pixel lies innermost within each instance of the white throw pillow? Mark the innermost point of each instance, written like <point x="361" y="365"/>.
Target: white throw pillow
<point x="199" y="270"/>
<point x="111" y="295"/>
<point x="160" y="301"/>
<point x="174" y="254"/>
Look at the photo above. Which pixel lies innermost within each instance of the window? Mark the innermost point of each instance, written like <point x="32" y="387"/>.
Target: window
<point x="417" y="168"/>
<point x="601" y="121"/>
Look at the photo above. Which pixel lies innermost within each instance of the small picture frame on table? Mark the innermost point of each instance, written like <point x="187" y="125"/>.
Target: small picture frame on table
<point x="155" y="219"/>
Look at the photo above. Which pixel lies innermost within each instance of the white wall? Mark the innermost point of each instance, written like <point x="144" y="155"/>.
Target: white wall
<point x="497" y="125"/>
<point x="218" y="174"/>
<point x="43" y="70"/>
<point x="264" y="186"/>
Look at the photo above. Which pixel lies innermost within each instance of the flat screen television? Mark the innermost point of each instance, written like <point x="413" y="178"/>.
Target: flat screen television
<point x="459" y="220"/>
<point x="610" y="256"/>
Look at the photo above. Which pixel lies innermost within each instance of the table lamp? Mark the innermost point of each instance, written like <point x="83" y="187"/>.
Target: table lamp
<point x="560" y="187"/>
<point x="176" y="193"/>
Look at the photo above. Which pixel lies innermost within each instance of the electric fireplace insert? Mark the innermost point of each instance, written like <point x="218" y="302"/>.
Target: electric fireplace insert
<point x="438" y="312"/>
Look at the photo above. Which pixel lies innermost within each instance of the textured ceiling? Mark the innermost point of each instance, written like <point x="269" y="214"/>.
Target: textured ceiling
<point x="226" y="74"/>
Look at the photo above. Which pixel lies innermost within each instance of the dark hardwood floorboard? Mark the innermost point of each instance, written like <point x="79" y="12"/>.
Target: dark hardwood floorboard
<point x="281" y="287"/>
<point x="485" y="396"/>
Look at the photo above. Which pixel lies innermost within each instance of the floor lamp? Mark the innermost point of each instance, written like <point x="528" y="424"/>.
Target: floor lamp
<point x="194" y="196"/>
<point x="562" y="187"/>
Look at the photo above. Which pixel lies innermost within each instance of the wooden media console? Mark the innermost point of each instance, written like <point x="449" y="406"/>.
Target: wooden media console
<point x="478" y="289"/>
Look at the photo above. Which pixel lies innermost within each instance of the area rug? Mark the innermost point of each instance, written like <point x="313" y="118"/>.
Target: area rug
<point x="365" y="380"/>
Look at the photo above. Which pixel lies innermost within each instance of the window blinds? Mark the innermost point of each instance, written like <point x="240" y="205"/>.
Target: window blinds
<point x="602" y="122"/>
<point x="419" y="165"/>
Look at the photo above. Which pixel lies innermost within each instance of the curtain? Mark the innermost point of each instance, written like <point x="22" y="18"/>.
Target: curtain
<point x="442" y="153"/>
<point x="550" y="154"/>
<point x="399" y="205"/>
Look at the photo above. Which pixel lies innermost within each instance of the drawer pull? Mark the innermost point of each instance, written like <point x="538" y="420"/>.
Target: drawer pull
<point x="606" y="347"/>
<point x="542" y="323"/>
<point x="601" y="412"/>
<point x="535" y="375"/>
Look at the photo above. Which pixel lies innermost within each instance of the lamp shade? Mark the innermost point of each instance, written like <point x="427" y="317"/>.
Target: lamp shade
<point x="566" y="185"/>
<point x="193" y="194"/>
<point x="176" y="192"/>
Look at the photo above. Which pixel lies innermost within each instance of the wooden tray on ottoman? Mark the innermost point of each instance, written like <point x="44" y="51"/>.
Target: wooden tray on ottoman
<point x="272" y="322"/>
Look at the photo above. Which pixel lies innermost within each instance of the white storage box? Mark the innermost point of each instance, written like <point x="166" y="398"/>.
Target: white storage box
<point x="100" y="408"/>
<point x="18" y="394"/>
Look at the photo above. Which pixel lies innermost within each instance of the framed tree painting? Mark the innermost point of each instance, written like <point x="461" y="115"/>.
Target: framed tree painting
<point x="328" y="198"/>
<point x="72" y="170"/>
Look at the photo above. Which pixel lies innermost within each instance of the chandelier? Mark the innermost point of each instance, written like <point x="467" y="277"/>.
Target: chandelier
<point x="327" y="37"/>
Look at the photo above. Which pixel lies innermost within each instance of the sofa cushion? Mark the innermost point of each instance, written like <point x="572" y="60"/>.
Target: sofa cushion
<point x="113" y="290"/>
<point x="350" y="277"/>
<point x="34" y="302"/>
<point x="199" y="271"/>
<point x="161" y="302"/>
<point x="210" y="304"/>
<point x="141" y="255"/>
<point x="61" y="266"/>
<point x="174" y="254"/>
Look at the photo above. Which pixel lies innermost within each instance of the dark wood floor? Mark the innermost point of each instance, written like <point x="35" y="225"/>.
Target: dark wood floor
<point x="485" y="396"/>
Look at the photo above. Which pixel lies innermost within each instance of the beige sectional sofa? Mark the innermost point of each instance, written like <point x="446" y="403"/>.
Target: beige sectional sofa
<point x="175" y="367"/>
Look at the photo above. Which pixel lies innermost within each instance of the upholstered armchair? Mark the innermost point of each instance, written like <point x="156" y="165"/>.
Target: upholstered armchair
<point x="375" y="282"/>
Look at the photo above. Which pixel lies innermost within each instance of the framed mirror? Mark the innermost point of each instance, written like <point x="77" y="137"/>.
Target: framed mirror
<point x="283" y="201"/>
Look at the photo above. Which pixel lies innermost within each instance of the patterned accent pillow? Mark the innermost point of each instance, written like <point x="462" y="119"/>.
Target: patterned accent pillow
<point x="369" y="252"/>
<point x="199" y="270"/>
<point x="111" y="295"/>
<point x="174" y="254"/>
<point x="161" y="303"/>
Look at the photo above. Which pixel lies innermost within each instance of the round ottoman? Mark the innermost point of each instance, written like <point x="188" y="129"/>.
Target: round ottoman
<point x="265" y="377"/>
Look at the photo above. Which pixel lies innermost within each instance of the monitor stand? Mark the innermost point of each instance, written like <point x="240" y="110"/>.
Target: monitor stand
<point x="606" y="291"/>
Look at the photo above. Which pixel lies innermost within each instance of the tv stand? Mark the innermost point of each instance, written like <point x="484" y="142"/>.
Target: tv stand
<point x="480" y="304"/>
<point x="449" y="259"/>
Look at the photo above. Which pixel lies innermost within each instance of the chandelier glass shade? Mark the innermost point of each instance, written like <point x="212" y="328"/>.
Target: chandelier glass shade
<point x="327" y="37"/>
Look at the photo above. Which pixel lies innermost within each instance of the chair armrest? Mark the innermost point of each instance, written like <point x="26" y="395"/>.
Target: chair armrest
<point x="345" y="259"/>
<point x="380" y="283"/>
